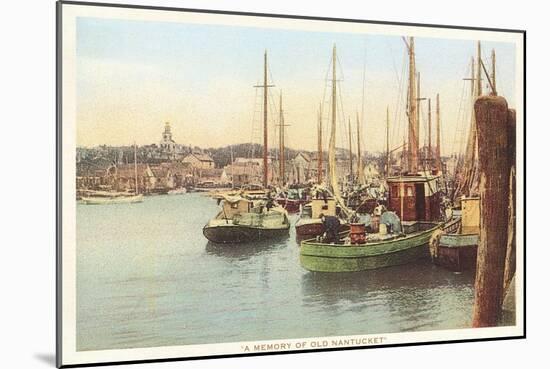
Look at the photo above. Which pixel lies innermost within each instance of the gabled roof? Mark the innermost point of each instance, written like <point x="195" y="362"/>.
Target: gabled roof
<point x="304" y="155"/>
<point x="201" y="157"/>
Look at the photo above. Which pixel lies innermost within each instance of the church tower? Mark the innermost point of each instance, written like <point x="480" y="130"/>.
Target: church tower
<point x="167" y="144"/>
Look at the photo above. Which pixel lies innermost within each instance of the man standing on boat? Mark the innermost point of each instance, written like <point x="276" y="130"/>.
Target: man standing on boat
<point x="332" y="226"/>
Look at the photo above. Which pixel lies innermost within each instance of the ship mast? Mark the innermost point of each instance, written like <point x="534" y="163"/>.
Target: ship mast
<point x="388" y="141"/>
<point x="265" y="119"/>
<point x="412" y="113"/>
<point x="469" y="167"/>
<point x="494" y="72"/>
<point x="479" y="81"/>
<point x="265" y="86"/>
<point x="332" y="143"/>
<point x="438" y="135"/>
<point x="430" y="164"/>
<point x="320" y="149"/>
<point x="135" y="167"/>
<point x="360" y="176"/>
<point x="281" y="141"/>
<point x="332" y="140"/>
<point x="350" y="151"/>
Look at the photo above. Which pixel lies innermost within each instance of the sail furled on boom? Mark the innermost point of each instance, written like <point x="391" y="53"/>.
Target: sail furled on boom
<point x="468" y="173"/>
<point x="333" y="177"/>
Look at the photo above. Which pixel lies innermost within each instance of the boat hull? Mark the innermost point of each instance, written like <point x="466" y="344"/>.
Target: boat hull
<point x="291" y="205"/>
<point x="111" y="201"/>
<point x="227" y="234"/>
<point x="320" y="257"/>
<point x="457" y="252"/>
<point x="312" y="229"/>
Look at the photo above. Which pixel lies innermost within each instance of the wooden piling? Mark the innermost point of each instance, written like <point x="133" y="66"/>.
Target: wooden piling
<point x="510" y="264"/>
<point x="495" y="160"/>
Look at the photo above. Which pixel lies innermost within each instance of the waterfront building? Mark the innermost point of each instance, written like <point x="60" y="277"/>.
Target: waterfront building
<point x="199" y="160"/>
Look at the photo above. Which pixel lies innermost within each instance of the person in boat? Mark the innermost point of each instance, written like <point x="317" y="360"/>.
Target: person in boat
<point x="354" y="218"/>
<point x="332" y="226"/>
<point x="270" y="202"/>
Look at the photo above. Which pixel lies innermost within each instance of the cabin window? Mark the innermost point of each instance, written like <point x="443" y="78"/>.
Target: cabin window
<point x="395" y="191"/>
<point x="324" y="207"/>
<point x="235" y="205"/>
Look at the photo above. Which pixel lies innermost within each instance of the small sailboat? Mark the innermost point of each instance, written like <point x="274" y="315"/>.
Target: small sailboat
<point x="254" y="216"/>
<point x="110" y="198"/>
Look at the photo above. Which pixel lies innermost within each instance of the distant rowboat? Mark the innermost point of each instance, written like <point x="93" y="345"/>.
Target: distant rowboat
<point x="105" y="200"/>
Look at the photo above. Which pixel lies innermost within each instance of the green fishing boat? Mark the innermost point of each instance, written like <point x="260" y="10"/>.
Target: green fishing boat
<point x="378" y="250"/>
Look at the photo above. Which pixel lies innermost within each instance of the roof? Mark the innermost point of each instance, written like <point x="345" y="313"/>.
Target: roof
<point x="129" y="170"/>
<point x="242" y="169"/>
<point x="200" y="157"/>
<point x="160" y="171"/>
<point x="256" y="161"/>
<point x="304" y="155"/>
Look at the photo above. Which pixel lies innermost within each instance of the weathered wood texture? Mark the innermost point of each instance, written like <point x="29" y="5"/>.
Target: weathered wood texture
<point x="495" y="159"/>
<point x="510" y="264"/>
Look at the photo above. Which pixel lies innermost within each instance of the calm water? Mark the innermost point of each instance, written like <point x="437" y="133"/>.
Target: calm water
<point x="146" y="277"/>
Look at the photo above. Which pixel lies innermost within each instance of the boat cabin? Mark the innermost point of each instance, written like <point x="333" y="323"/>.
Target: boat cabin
<point x="232" y="206"/>
<point x="323" y="206"/>
<point x="470" y="215"/>
<point x="415" y="197"/>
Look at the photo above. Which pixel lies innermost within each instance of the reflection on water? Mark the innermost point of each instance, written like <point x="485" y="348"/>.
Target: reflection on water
<point x="146" y="276"/>
<point x="244" y="251"/>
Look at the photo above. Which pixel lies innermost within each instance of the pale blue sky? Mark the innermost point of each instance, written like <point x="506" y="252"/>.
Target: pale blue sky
<point x="135" y="75"/>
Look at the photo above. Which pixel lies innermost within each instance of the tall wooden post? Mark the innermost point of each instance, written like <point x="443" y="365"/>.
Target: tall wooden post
<point x="510" y="264"/>
<point x="494" y="164"/>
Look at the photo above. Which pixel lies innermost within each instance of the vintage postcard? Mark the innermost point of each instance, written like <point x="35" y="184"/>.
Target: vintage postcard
<point x="236" y="184"/>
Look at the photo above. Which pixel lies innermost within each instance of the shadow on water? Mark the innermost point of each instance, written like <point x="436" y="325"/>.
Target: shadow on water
<point x="244" y="251"/>
<point x="394" y="283"/>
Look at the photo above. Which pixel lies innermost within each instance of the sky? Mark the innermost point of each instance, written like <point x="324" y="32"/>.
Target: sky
<point x="133" y="76"/>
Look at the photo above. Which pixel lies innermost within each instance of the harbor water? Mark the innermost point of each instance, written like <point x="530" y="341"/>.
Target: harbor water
<point x="147" y="277"/>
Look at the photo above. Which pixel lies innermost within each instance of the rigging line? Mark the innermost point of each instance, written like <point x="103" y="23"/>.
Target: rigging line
<point x="462" y="121"/>
<point x="460" y="113"/>
<point x="364" y="87"/>
<point x="400" y="99"/>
